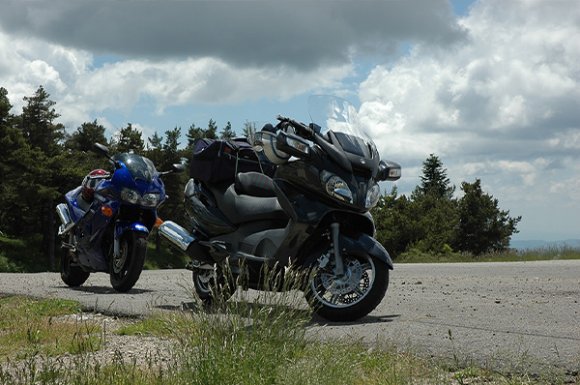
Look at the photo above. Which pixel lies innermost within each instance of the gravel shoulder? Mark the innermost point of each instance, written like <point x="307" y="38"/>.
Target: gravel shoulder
<point x="506" y="316"/>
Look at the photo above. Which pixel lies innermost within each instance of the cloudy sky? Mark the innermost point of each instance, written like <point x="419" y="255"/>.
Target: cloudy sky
<point x="489" y="86"/>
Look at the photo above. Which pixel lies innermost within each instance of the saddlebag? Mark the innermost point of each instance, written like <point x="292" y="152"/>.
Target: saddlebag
<point x="218" y="161"/>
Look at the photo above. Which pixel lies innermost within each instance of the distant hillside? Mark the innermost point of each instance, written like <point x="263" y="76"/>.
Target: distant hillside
<point x="539" y="244"/>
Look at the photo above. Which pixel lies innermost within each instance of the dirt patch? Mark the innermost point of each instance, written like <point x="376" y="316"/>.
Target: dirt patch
<point x="141" y="351"/>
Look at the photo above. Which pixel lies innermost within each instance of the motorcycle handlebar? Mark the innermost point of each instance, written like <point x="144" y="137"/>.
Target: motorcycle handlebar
<point x="301" y="128"/>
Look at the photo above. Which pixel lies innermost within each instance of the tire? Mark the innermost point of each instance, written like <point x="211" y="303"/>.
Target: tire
<point x="204" y="283"/>
<point x="70" y="273"/>
<point x="336" y="299"/>
<point x="125" y="269"/>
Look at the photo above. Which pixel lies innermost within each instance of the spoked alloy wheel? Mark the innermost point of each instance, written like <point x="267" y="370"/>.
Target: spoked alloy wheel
<point x="126" y="267"/>
<point x="204" y="283"/>
<point x="354" y="294"/>
<point x="70" y="273"/>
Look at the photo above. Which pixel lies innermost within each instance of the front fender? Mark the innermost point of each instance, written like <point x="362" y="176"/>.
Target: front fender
<point x="122" y="227"/>
<point x="366" y="243"/>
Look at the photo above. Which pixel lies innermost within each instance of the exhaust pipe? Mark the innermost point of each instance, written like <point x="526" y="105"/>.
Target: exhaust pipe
<point x="176" y="234"/>
<point x="65" y="218"/>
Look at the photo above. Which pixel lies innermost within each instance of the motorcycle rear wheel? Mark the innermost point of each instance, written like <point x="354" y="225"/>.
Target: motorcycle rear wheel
<point x="70" y="273"/>
<point x="125" y="269"/>
<point x="210" y="293"/>
<point x="353" y="296"/>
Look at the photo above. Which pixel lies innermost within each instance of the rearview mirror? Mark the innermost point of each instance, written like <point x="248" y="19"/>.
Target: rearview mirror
<point x="177" y="167"/>
<point x="293" y="145"/>
<point x="101" y="149"/>
<point x="389" y="171"/>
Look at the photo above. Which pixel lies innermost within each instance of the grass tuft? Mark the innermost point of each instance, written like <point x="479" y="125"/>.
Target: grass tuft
<point x="31" y="327"/>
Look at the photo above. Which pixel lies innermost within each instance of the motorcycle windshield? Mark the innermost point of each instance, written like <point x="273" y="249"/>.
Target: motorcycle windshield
<point x="341" y="117"/>
<point x="139" y="166"/>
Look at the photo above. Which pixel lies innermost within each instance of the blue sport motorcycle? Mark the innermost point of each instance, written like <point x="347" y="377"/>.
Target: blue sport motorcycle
<point x="106" y="221"/>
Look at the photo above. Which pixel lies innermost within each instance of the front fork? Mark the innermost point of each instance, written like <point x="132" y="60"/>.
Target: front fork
<point x="121" y="228"/>
<point x="338" y="262"/>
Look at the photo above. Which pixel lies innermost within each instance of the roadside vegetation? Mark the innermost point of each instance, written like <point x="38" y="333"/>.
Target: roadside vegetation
<point x="41" y="160"/>
<point x="47" y="327"/>
<point x="540" y="254"/>
<point x="238" y="342"/>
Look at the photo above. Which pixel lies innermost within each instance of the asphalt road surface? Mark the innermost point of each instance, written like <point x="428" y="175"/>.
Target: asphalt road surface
<point x="505" y="316"/>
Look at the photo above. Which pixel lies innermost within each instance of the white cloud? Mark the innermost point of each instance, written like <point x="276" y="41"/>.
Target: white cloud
<point x="83" y="91"/>
<point x="502" y="81"/>
<point x="504" y="106"/>
<point x="298" y="34"/>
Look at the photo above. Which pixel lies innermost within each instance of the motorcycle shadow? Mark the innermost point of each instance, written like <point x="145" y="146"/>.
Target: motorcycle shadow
<point x="369" y="319"/>
<point x="243" y="309"/>
<point x="249" y="309"/>
<point x="104" y="290"/>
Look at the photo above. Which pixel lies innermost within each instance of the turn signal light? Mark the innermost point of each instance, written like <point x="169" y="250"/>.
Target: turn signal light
<point x="107" y="211"/>
<point x="158" y="222"/>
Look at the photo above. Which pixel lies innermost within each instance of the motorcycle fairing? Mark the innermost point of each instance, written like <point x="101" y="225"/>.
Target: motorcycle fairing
<point x="90" y="230"/>
<point x="308" y="218"/>
<point x="76" y="210"/>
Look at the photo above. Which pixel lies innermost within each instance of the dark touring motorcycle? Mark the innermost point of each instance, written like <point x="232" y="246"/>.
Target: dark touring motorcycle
<point x="312" y="216"/>
<point x="106" y="221"/>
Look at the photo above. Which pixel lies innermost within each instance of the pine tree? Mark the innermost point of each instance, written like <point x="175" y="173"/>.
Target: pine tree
<point x="434" y="179"/>
<point x="211" y="131"/>
<point x="84" y="138"/>
<point x="129" y="139"/>
<point x="227" y="133"/>
<point x="483" y="226"/>
<point x="44" y="136"/>
<point x="174" y="184"/>
<point x="155" y="142"/>
<point x="38" y="123"/>
<point x="13" y="144"/>
<point x="393" y="222"/>
<point x="432" y="211"/>
<point x="5" y="107"/>
<point x="193" y="133"/>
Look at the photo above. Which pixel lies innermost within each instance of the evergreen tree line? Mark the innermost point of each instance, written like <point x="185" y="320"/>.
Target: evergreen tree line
<point x="433" y="221"/>
<point x="40" y="162"/>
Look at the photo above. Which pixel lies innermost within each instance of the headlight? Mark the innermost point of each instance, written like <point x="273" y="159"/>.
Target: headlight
<point x="337" y="188"/>
<point x="130" y="196"/>
<point x="133" y="197"/>
<point x="150" y="200"/>
<point x="373" y="196"/>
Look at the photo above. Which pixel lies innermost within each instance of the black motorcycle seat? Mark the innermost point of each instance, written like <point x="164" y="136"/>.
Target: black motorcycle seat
<point x="254" y="184"/>
<point x="239" y="208"/>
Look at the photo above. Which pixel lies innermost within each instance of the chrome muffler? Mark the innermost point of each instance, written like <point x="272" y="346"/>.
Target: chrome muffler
<point x="176" y="234"/>
<point x="65" y="218"/>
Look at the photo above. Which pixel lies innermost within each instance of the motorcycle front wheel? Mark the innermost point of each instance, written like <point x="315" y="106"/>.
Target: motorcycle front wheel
<point x="352" y="295"/>
<point x="70" y="272"/>
<point x="125" y="268"/>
